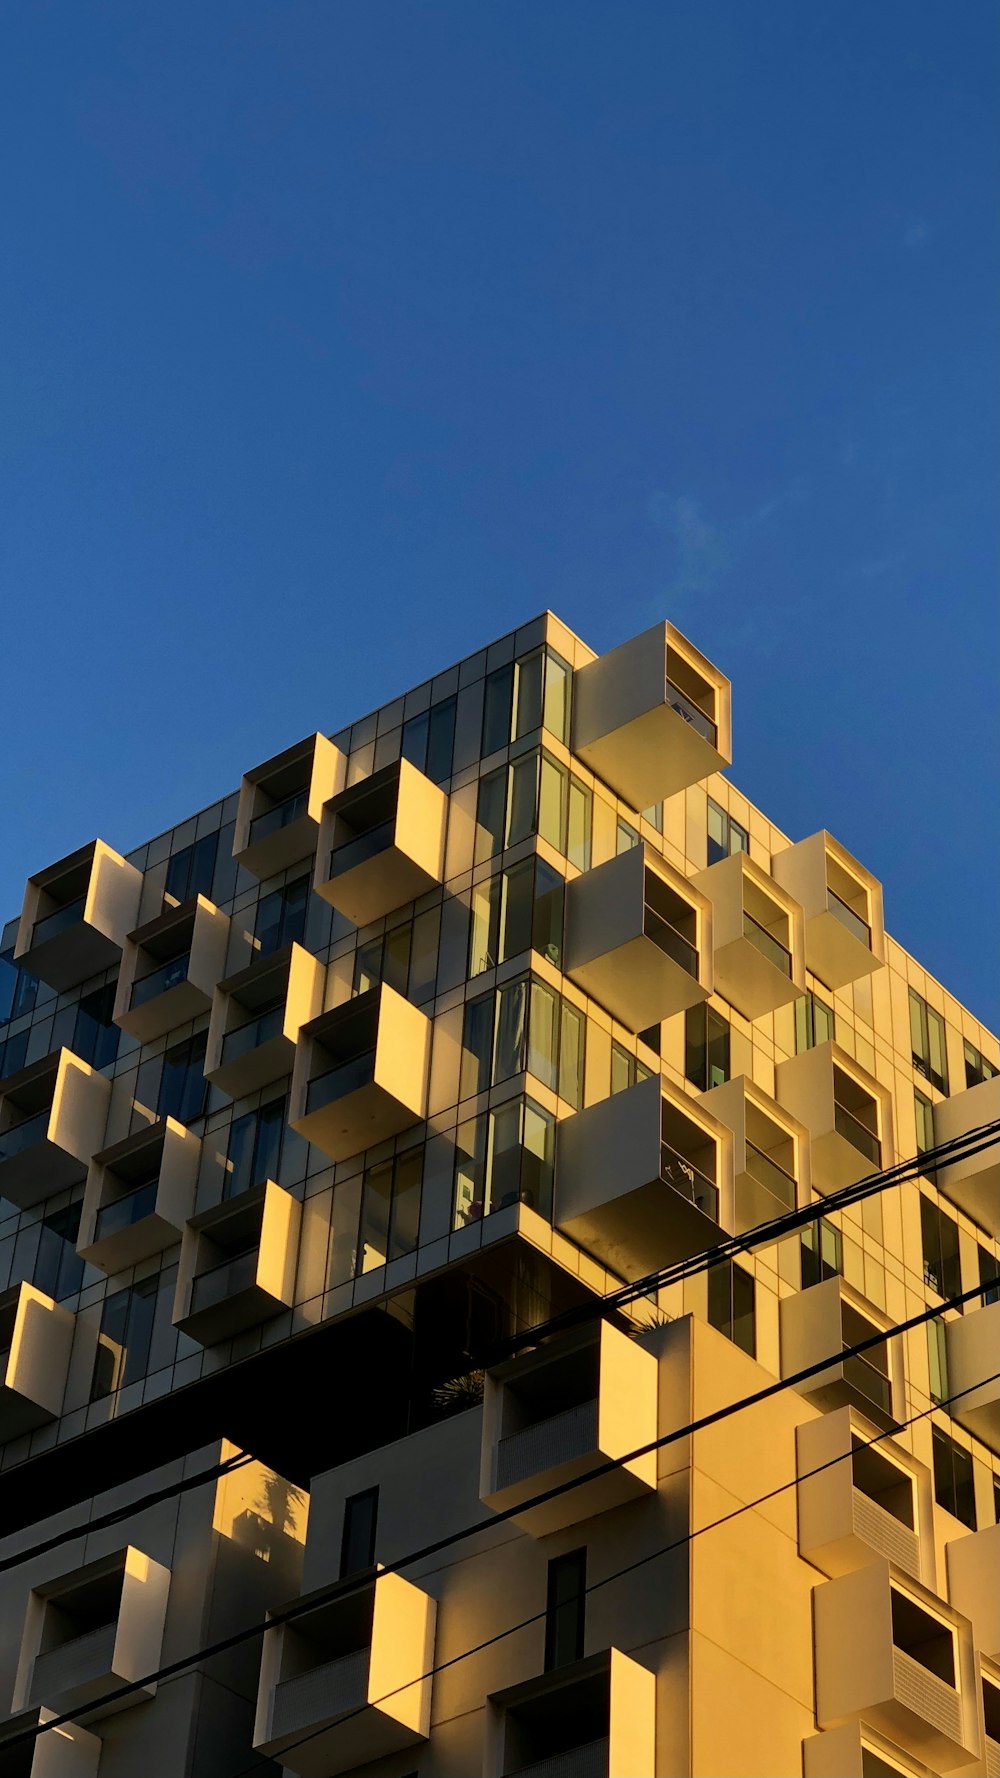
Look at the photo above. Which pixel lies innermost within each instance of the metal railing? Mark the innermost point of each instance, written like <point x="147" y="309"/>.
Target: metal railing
<point x="228" y="1278"/>
<point x="885" y="1533"/>
<point x="60" y="920"/>
<point x="546" y="1443"/>
<point x="365" y="845"/>
<point x="281" y="815"/>
<point x="337" y="1082"/>
<point x="686" y="707"/>
<point x="73" y="1663"/>
<point x="927" y="1695"/>
<point x="17" y="1137"/>
<point x="766" y="943"/>
<point x="669" y="940"/>
<point x="685" y="1178"/>
<point x="589" y="1761"/>
<point x="853" y="1130"/>
<point x="849" y="918"/>
<point x="766" y="1172"/>
<point x="992" y="1757"/>
<point x="324" y="1692"/>
<point x="122" y="1212"/>
<point x="169" y="975"/>
<point x="866" y="1377"/>
<point x="256" y="1031"/>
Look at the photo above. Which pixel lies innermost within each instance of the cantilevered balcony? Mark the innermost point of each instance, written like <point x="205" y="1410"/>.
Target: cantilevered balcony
<point x="281" y="803"/>
<point x="36" y="1336"/>
<point x="989" y="1683"/>
<point x="758" y="933"/>
<point x="67" y="1752"/>
<point x="858" y="1750"/>
<point x="382" y="843"/>
<point x="973" y="1348"/>
<point x="75" y="916"/>
<point x="170" y="968"/>
<point x="52" y="1119"/>
<point x="652" y="716"/>
<point x="91" y="1631"/>
<point x="974" y="1585"/>
<point x="345" y="1684"/>
<point x="771" y="1173"/>
<point x="842" y="903"/>
<point x="595" y="1718"/>
<point x="140" y="1194"/>
<point x="639" y="938"/>
<point x="847" y="1112"/>
<point x="822" y="1322"/>
<point x="560" y="1411"/>
<point x="972" y="1184"/>
<point x="643" y="1178"/>
<point x="237" y="1265"/>
<point x="860" y="1502"/>
<point x="361" y="1073"/>
<point x="256" y="1019"/>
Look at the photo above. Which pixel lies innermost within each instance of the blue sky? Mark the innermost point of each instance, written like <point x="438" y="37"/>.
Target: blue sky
<point x="339" y="338"/>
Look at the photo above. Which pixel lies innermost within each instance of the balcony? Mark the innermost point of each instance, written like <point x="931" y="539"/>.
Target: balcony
<point x="52" y="1118"/>
<point x="770" y="1152"/>
<point x="69" y="1752"/>
<point x="256" y="1018"/>
<point x="890" y="1653"/>
<point x="139" y="1196"/>
<point x="361" y="1073"/>
<point x="170" y="968"/>
<point x="857" y="1750"/>
<point x="759" y="937"/>
<point x="344" y="1684"/>
<point x="382" y="843"/>
<point x="972" y="1184"/>
<point x="870" y="1502"/>
<point x="842" y="904"/>
<point x="281" y="803"/>
<point x="974" y="1585"/>
<point x="91" y="1631"/>
<point x="639" y="938"/>
<point x="75" y="916"/>
<point x="989" y="1681"/>
<point x="554" y="1414"/>
<point x="847" y="1112"/>
<point x="652" y="716"/>
<point x="36" y="1337"/>
<point x="593" y="1719"/>
<point x="973" y="1348"/>
<point x="237" y="1265"/>
<point x="643" y="1178"/>
<point x="824" y="1320"/>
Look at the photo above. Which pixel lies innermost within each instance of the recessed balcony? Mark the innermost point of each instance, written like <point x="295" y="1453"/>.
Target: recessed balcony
<point x="771" y="1174"/>
<point x="859" y="1502"/>
<point x="560" y="1411"/>
<point x="847" y="1112"/>
<point x="170" y="968"/>
<point x="92" y="1631"/>
<point x="758" y="933"/>
<point x="842" y="904"/>
<point x="346" y="1683"/>
<point x="639" y="938"/>
<point x="643" y="1178"/>
<point x="140" y="1194"/>
<point x="281" y="804"/>
<point x="822" y="1322"/>
<point x="361" y="1073"/>
<point x="237" y="1265"/>
<point x="593" y="1719"/>
<point x="36" y="1337"/>
<point x="973" y="1348"/>
<point x="256" y="1018"/>
<point x="972" y="1184"/>
<point x="52" y="1119"/>
<point x="382" y="843"/>
<point x="652" y="716"/>
<point x="75" y="916"/>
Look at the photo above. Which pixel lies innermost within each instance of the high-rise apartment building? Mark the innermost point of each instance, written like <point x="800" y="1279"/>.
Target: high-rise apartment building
<point x="336" y="1125"/>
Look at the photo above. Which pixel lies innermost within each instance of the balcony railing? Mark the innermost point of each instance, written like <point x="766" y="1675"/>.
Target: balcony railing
<point x="123" y="1212"/>
<point x="767" y="1173"/>
<point x="323" y="1692"/>
<point x="927" y="1695"/>
<point x="60" y="920"/>
<point x="868" y="1380"/>
<point x="589" y="1761"/>
<point x="669" y="940"/>
<point x="992" y="1757"/>
<point x="17" y="1137"/>
<point x="159" y="980"/>
<point x="73" y="1663"/>
<point x="849" y="918"/>
<point x="540" y="1447"/>
<point x="766" y="943"/>
<point x="678" y="1173"/>
<point x="885" y="1533"/>
<point x="853" y="1130"/>
<point x="230" y="1276"/>
<point x="679" y="701"/>
<point x="365" y="845"/>
<point x="259" y="1030"/>
<point x="337" y="1082"/>
<point x="281" y="815"/>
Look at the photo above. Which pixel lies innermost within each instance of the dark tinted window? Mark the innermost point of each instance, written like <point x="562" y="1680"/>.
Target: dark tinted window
<point x="565" y="1609"/>
<point x="357" y="1549"/>
<point x="190" y="871"/>
<point x="182" y="1084"/>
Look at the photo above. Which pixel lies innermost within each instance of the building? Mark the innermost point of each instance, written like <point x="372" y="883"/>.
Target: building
<point x="318" y="1111"/>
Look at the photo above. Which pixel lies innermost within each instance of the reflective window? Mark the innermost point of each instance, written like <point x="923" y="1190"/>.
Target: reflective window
<point x="731" y="1301"/>
<point x="822" y="1251"/>
<point x="954" y="1488"/>
<point x="626" y="836"/>
<point x="504" y="1157"/>
<point x="123" y="1343"/>
<point x="191" y="871"/>
<point x="390" y="1210"/>
<point x="724" y="834"/>
<point x="939" y="1238"/>
<point x="428" y="740"/>
<point x="534" y="794"/>
<point x="182" y="1084"/>
<point x="281" y="916"/>
<point x="928" y="1042"/>
<point x="706" y="1047"/>
<point x="814" y="1023"/>
<point x="977" y="1068"/>
<point x="989" y="1276"/>
<point x="565" y="1609"/>
<point x="924" y="1112"/>
<point x="253" y="1153"/>
<point x="17" y="990"/>
<point x="625" y="1069"/>
<point x="58" y="1267"/>
<point x="357" y="1548"/>
<point x="96" y="1036"/>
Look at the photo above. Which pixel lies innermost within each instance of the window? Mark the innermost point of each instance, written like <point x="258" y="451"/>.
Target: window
<point x="724" y="834"/>
<point x="95" y="1035"/>
<point x="924" y="1115"/>
<point x="626" y="837"/>
<point x="532" y="693"/>
<point x="182" y="1084"/>
<point x="17" y="990"/>
<point x="928" y="1043"/>
<point x="281" y="916"/>
<point x="13" y="1054"/>
<point x="706" y="1047"/>
<point x="989" y="1277"/>
<point x="822" y="1252"/>
<point x="405" y="958"/>
<point x="939" y="1236"/>
<point x="625" y="1069"/>
<point x="731" y="1298"/>
<point x="190" y="872"/>
<point x="954" y="1488"/>
<point x="814" y="1023"/>
<point x="428" y="740"/>
<point x="937" y="1359"/>
<point x="534" y="794"/>
<point x="504" y="1158"/>
<point x="977" y="1069"/>
<point x="390" y="1210"/>
<point x="254" y="1149"/>
<point x="357" y="1545"/>
<point x="58" y="1267"/>
<point x="123" y="1343"/>
<point x="565" y="1609"/>
<point x="524" y="1027"/>
<point x="518" y="911"/>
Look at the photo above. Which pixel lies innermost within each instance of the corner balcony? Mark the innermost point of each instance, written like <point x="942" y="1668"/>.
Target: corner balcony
<point x="139" y="1196"/>
<point x="593" y="1719"/>
<point x="823" y="1321"/>
<point x="344" y="1684"/>
<point x="361" y="1073"/>
<point x="974" y="1585"/>
<point x="89" y="1632"/>
<point x="847" y="1112"/>
<point x="381" y="843"/>
<point x="52" y="1118"/>
<point x="639" y="938"/>
<point x="560" y="1411"/>
<point x="890" y="1653"/>
<point x="36" y="1337"/>
<point x="771" y="1173"/>
<point x="237" y="1265"/>
<point x="170" y="968"/>
<point x="973" y="1184"/>
<point x="643" y="1178"/>
<point x="973" y="1348"/>
<point x="842" y="904"/>
<point x="75" y="916"/>
<point x="281" y="804"/>
<point x="256" y="1018"/>
<point x="870" y="1504"/>
<point x="652" y="716"/>
<point x="758" y="933"/>
<point x="68" y="1752"/>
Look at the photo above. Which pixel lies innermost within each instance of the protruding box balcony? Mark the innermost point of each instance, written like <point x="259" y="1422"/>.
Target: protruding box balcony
<point x="281" y="804"/>
<point x="639" y="938"/>
<point x="593" y="1719"/>
<point x="170" y="968"/>
<point x="347" y="1683"/>
<point x="972" y="1184"/>
<point x="989" y="1682"/>
<point x="140" y="1194"/>
<point x="381" y="843"/>
<point x="847" y="1112"/>
<point x="842" y="903"/>
<point x="857" y="1750"/>
<point x="974" y="1585"/>
<point x="36" y="1336"/>
<point x="67" y="1752"/>
<point x="824" y="1321"/>
<point x="973" y="1348"/>
<point x="256" y="1019"/>
<point x="771" y="1172"/>
<point x="563" y="1410"/>
<point x="890" y="1653"/>
<point x="859" y="1502"/>
<point x="652" y="716"/>
<point x="361" y="1073"/>
<point x="641" y="1178"/>
<point x="91" y="1632"/>
<point x="52" y="1118"/>
<point x="758" y="933"/>
<point x="237" y="1265"/>
<point x="75" y="916"/>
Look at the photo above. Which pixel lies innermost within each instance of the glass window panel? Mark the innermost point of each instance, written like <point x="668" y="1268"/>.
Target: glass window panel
<point x="368" y="966"/>
<point x="511" y="1022"/>
<point x="547" y="919"/>
<point x="142" y="1311"/>
<point x="413" y="742"/>
<point x="937" y="1052"/>
<point x="504" y="1156"/>
<point x="490" y="815"/>
<point x="558" y="680"/>
<point x="239" y="1155"/>
<point x="522" y="799"/>
<point x="484" y="924"/>
<point x="441" y="741"/>
<point x="375" y="1206"/>
<point x="538" y="1159"/>
<point x="396" y="958"/>
<point x="823" y="1021"/>
<point x="497" y="697"/>
<point x="357" y="1549"/>
<point x="717" y="847"/>
<point x="571" y="1055"/>
<point x="226" y="868"/>
<point x="406" y="1203"/>
<point x="578" y="843"/>
<point x="424" y="955"/>
<point x="516" y="909"/>
<point x="937" y="1360"/>
<point x="267" y="1145"/>
<point x="744" y="1332"/>
<point x="627" y="837"/>
<point x="470" y="1171"/>
<point x="182" y="1084"/>
<point x="110" y="1355"/>
<point x="925" y="1122"/>
<point x="477" y="1043"/>
<point x="528" y="695"/>
<point x="565" y="1609"/>
<point x="543" y="1036"/>
<point x="622" y="1069"/>
<point x="552" y="804"/>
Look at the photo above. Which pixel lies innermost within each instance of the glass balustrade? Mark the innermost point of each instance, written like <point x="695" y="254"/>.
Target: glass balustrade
<point x="346" y="1078"/>
<point x="169" y="975"/>
<point x="685" y="1178"/>
<point x="60" y="920"/>
<point x="122" y="1212"/>
<point x="244" y="1038"/>
<point x="281" y="815"/>
<point x="686" y="707"/>
<point x="766" y="943"/>
<point x="849" y="918"/>
<point x="669" y="940"/>
<point x="235" y="1273"/>
<point x="767" y="1173"/>
<point x="365" y="845"/>
<point x="866" y="1377"/>
<point x="853" y="1130"/>
<point x="25" y="1134"/>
